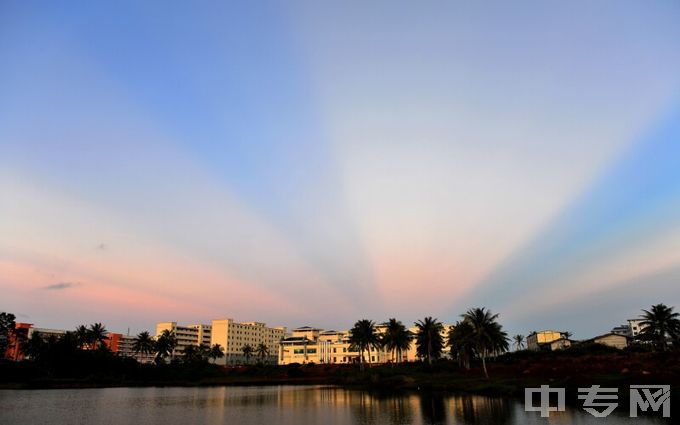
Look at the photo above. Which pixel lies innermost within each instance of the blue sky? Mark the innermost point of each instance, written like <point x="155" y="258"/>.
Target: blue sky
<point x="317" y="163"/>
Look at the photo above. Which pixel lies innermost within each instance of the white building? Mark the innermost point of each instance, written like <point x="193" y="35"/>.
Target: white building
<point x="186" y="335"/>
<point x="234" y="336"/>
<point x="635" y="326"/>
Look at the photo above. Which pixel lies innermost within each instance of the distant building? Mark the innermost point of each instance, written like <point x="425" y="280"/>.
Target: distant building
<point x="622" y="330"/>
<point x="611" y="340"/>
<point x="560" y="344"/>
<point x="314" y="345"/>
<point x="16" y="337"/>
<point x="186" y="335"/>
<point x="123" y="345"/>
<point x="232" y="336"/>
<point x="543" y="339"/>
<point x="635" y="326"/>
<point x="119" y="344"/>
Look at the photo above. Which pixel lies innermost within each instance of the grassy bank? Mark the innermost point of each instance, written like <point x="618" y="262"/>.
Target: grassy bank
<point x="509" y="375"/>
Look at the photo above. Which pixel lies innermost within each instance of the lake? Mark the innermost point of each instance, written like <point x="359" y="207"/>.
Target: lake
<point x="280" y="405"/>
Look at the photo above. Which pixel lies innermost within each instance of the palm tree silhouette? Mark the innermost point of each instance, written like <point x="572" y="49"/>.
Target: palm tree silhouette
<point x="165" y="345"/>
<point x="363" y="337"/>
<point x="461" y="343"/>
<point x="144" y="344"/>
<point x="262" y="351"/>
<point x="247" y="352"/>
<point x="396" y="339"/>
<point x="97" y="335"/>
<point x="519" y="342"/>
<point x="216" y="352"/>
<point x="659" y="323"/>
<point x="429" y="340"/>
<point x="83" y="336"/>
<point x="192" y="353"/>
<point x="487" y="336"/>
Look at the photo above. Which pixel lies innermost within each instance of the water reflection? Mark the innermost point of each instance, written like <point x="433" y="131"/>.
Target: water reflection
<point x="282" y="405"/>
<point x="433" y="408"/>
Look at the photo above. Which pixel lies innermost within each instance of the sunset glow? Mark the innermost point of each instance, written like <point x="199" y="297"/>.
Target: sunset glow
<point x="316" y="163"/>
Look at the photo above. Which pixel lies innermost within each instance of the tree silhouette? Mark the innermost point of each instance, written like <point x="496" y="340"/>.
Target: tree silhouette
<point x="396" y="339"/>
<point x="487" y="335"/>
<point x="460" y="341"/>
<point x="194" y="353"/>
<point x="519" y="342"/>
<point x="35" y="347"/>
<point x="429" y="340"/>
<point x="363" y="337"/>
<point x="262" y="351"/>
<point x="144" y="344"/>
<point x="658" y="324"/>
<point x="84" y="337"/>
<point x="7" y="326"/>
<point x="165" y="345"/>
<point x="216" y="352"/>
<point x="97" y="335"/>
<point x="247" y="352"/>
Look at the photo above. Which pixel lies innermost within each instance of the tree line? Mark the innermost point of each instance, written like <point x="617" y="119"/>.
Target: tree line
<point x="478" y="335"/>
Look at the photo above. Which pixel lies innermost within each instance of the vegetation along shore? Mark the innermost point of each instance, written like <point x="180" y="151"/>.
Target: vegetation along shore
<point x="478" y="360"/>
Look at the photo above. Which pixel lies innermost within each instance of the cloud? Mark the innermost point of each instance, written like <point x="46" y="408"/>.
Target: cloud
<point x="60" y="285"/>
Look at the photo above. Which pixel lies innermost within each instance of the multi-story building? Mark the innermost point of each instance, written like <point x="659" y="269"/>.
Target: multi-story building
<point x="16" y="337"/>
<point x="635" y="326"/>
<point x="313" y="345"/>
<point x="123" y="345"/>
<point x="234" y="336"/>
<point x="537" y="340"/>
<point x="119" y="344"/>
<point x="186" y="335"/>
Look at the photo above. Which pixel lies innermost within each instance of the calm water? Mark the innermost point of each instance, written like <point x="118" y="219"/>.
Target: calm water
<point x="283" y="405"/>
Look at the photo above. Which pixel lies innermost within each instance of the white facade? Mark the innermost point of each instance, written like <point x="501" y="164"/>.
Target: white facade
<point x="233" y="336"/>
<point x="186" y="335"/>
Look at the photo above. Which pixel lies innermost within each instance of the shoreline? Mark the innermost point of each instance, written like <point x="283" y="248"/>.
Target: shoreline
<point x="507" y="378"/>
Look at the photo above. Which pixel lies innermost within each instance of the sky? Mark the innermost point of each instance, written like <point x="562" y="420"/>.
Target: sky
<point x="316" y="163"/>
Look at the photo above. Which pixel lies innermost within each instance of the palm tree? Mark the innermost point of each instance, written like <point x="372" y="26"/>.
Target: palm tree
<point x="519" y="342"/>
<point x="247" y="352"/>
<point x="429" y="340"/>
<point x="487" y="336"/>
<point x="216" y="352"/>
<point x="262" y="351"/>
<point x="84" y="337"/>
<point x="191" y="353"/>
<point x="461" y="344"/>
<point x="144" y="344"/>
<point x="363" y="337"/>
<point x="98" y="334"/>
<point x="165" y="345"/>
<point x="396" y="339"/>
<point x="34" y="347"/>
<point x="566" y="335"/>
<point x="658" y="324"/>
